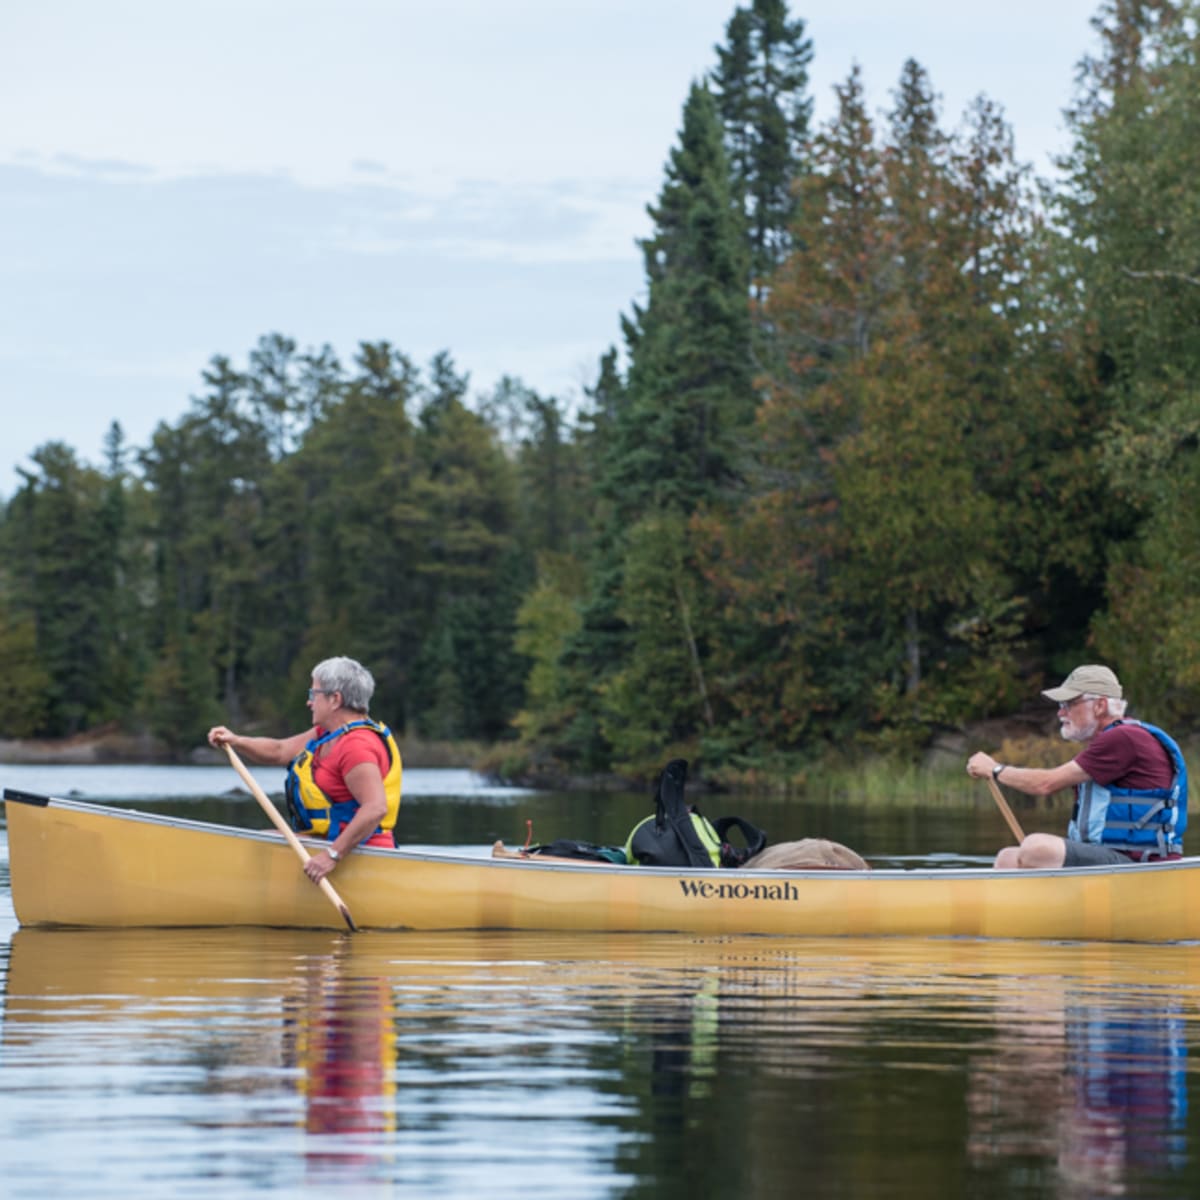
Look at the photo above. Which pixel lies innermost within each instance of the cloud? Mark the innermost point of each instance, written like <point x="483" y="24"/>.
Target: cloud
<point x="100" y="168"/>
<point x="117" y="287"/>
<point x="497" y="223"/>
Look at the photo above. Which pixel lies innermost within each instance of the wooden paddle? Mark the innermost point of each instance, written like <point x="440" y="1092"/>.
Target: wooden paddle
<point x="284" y="828"/>
<point x="1005" y="811"/>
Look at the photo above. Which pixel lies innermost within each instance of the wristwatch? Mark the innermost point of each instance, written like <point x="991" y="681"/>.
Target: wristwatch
<point x="332" y="851"/>
<point x="995" y="774"/>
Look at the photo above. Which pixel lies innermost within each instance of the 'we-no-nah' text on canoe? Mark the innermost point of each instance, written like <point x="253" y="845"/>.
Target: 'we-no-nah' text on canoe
<point x="704" y="890"/>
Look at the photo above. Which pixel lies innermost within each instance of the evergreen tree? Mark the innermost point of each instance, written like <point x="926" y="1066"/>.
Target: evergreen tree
<point x="123" y="518"/>
<point x="204" y="479"/>
<point x="62" y="547"/>
<point x="274" y="391"/>
<point x="24" y="701"/>
<point x="791" y="665"/>
<point x="320" y="385"/>
<point x="552" y="499"/>
<point x="471" y="563"/>
<point x="596" y="434"/>
<point x="675" y="440"/>
<point x="671" y="435"/>
<point x="547" y="620"/>
<point x="1132" y="218"/>
<point x="573" y="593"/>
<point x="348" y="526"/>
<point x="761" y="83"/>
<point x="657" y="704"/>
<point x="273" y="669"/>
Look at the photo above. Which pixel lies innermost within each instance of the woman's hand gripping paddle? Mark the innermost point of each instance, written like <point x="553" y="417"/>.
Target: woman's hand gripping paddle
<point x="284" y="828"/>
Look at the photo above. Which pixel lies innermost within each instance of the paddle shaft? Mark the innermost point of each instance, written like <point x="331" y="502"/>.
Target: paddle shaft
<point x="284" y="828"/>
<point x="1005" y="811"/>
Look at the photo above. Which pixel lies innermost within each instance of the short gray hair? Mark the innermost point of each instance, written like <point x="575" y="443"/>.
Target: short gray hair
<point x="1116" y="707"/>
<point x="351" y="678"/>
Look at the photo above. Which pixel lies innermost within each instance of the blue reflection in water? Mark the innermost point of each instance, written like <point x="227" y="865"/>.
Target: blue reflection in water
<point x="1093" y="1080"/>
<point x="1129" y="1075"/>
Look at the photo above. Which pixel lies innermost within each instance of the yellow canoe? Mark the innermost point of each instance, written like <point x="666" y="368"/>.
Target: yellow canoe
<point x="78" y="864"/>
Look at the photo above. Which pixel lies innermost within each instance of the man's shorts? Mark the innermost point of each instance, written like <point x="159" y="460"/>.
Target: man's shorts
<point x="1090" y="854"/>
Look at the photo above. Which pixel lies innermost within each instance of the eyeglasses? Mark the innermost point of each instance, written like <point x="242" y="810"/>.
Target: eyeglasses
<point x="1070" y="703"/>
<point x="321" y="692"/>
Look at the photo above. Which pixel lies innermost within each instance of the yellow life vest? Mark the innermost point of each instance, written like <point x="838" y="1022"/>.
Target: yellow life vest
<point x="311" y="809"/>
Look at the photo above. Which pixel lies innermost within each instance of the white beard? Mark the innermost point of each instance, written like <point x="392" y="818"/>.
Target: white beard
<point x="1079" y="731"/>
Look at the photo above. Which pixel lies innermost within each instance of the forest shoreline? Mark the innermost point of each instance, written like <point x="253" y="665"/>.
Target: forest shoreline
<point x="1024" y="737"/>
<point x="109" y="745"/>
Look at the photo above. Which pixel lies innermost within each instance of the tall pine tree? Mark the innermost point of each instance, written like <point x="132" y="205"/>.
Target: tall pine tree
<point x="761" y="85"/>
<point x="669" y="437"/>
<point x="690" y="395"/>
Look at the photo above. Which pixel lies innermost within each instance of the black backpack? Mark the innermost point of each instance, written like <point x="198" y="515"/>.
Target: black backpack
<point x="679" y="835"/>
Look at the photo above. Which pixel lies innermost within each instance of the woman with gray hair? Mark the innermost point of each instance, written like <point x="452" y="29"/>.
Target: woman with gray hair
<point x="343" y="774"/>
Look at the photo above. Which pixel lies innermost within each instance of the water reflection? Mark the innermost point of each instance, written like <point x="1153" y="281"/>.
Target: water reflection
<point x="339" y="1035"/>
<point x="1097" y="1085"/>
<point x="595" y="1065"/>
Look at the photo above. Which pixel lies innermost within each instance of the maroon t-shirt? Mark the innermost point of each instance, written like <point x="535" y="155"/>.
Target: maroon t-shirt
<point x="1127" y="756"/>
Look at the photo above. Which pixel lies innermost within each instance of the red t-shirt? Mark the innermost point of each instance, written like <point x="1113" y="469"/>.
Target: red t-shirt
<point x="343" y="754"/>
<point x="1127" y="756"/>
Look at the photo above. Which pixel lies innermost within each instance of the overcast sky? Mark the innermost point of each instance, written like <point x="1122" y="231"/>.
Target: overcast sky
<point x="180" y="177"/>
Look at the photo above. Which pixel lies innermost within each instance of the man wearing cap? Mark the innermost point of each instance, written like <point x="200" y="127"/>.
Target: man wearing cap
<point x="1130" y="782"/>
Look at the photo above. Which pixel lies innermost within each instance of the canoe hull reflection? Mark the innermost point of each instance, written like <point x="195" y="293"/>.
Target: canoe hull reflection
<point x="78" y="864"/>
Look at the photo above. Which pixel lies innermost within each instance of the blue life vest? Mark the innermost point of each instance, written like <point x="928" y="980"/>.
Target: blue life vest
<point x="1141" y="822"/>
<point x="312" y="811"/>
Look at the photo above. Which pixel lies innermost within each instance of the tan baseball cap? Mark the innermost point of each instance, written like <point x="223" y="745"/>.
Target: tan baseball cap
<point x="1093" y="680"/>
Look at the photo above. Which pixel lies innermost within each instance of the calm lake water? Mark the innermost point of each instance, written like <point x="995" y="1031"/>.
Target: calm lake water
<point x="259" y="1062"/>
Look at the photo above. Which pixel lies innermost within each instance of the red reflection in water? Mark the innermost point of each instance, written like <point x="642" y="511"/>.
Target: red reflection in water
<point x="340" y="1034"/>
